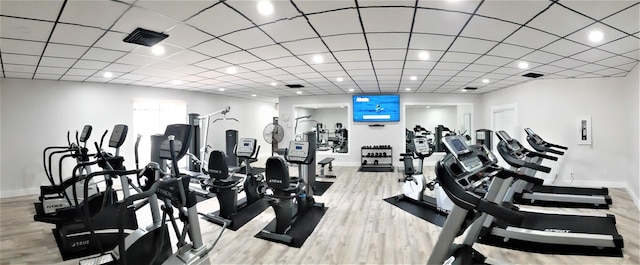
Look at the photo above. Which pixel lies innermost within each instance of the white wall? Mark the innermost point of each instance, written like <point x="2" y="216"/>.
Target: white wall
<point x="551" y="108"/>
<point x="38" y="113"/>
<point x="430" y="118"/>
<point x="631" y="84"/>
<point x="361" y="134"/>
<point x="461" y="110"/>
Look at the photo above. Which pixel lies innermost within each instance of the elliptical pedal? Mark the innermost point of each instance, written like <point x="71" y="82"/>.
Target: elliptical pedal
<point x="99" y="260"/>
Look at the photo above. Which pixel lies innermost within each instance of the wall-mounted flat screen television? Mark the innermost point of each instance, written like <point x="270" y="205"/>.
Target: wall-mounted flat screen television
<point x="376" y="108"/>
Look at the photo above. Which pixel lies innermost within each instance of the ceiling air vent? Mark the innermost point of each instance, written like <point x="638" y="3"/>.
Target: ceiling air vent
<point x="532" y="75"/>
<point x="145" y="37"/>
<point x="294" y="86"/>
<point x="470" y="88"/>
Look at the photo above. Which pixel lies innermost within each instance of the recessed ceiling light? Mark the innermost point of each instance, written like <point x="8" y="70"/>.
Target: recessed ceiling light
<point x="253" y="95"/>
<point x="108" y="74"/>
<point x="596" y="36"/>
<point x="423" y="55"/>
<point x="265" y="8"/>
<point x="464" y="90"/>
<point x="298" y="92"/>
<point x="157" y="49"/>
<point x="413" y="77"/>
<point x="176" y="82"/>
<point x="315" y="107"/>
<point x="350" y="89"/>
<point x="220" y="89"/>
<point x="318" y="58"/>
<point x="428" y="107"/>
<point x="231" y="70"/>
<point x="523" y="65"/>
<point x="486" y="81"/>
<point x="407" y="89"/>
<point x="274" y="84"/>
<point x="339" y="79"/>
<point x="342" y="107"/>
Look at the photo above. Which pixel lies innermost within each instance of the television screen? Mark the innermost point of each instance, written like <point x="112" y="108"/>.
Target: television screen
<point x="376" y="108"/>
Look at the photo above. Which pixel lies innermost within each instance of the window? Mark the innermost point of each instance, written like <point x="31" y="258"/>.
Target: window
<point x="152" y="117"/>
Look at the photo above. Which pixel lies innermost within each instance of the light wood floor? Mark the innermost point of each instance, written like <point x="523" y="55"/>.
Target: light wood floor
<point x="359" y="227"/>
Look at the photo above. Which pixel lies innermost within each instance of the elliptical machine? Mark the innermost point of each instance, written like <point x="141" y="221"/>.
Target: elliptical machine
<point x="291" y="197"/>
<point x="227" y="184"/>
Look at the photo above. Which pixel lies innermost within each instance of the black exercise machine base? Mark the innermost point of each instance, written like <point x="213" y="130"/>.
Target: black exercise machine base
<point x="243" y="216"/>
<point x="428" y="214"/>
<point x="67" y="255"/>
<point x="321" y="187"/>
<point x="543" y="248"/>
<point x="375" y="169"/>
<point x="299" y="231"/>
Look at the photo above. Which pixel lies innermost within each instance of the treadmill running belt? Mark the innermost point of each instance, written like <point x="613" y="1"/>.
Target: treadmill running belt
<point x="544" y="248"/>
<point x="570" y="190"/>
<point x="575" y="224"/>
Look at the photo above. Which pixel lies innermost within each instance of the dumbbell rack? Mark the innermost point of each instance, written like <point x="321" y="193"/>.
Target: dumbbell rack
<point x="376" y="158"/>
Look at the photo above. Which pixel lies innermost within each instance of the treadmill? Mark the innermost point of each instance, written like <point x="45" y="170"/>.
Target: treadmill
<point x="541" y="145"/>
<point x="537" y="232"/>
<point x="523" y="192"/>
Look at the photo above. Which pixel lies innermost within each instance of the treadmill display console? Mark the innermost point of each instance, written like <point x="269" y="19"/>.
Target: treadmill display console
<point x="513" y="145"/>
<point x="459" y="149"/>
<point x="298" y="151"/>
<point x="246" y="147"/>
<point x="533" y="135"/>
<point x="421" y="146"/>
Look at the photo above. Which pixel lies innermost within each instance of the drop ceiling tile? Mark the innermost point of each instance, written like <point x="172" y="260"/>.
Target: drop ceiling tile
<point x="597" y="9"/>
<point x="439" y="22"/>
<point x="19" y="68"/>
<point x="320" y="6"/>
<point x="627" y="67"/>
<point x="621" y="20"/>
<point x="270" y="52"/>
<point x="212" y="64"/>
<point x="481" y="67"/>
<point x="289" y="29"/>
<point x="65" y="51"/>
<point x="466" y="73"/>
<point x="100" y="54"/>
<point x="615" y="61"/>
<point x="509" y="71"/>
<point x="211" y="74"/>
<point x="383" y="65"/>
<point x="55" y="62"/>
<point x="187" y="57"/>
<point x="570" y="73"/>
<point x="186" y="36"/>
<point x="299" y="69"/>
<point x="87" y="64"/>
<point x="633" y="54"/>
<point x="568" y="63"/>
<point x="136" y="59"/>
<point x="142" y="83"/>
<point x="238" y="58"/>
<point x="590" y="68"/>
<point x="346" y="42"/>
<point x="582" y="36"/>
<point x="51" y="70"/>
<point x="326" y="67"/>
<point x="21" y="47"/>
<point x="141" y="18"/>
<point x="24" y="29"/>
<point x="471" y="45"/>
<point x="565" y="48"/>
<point x="592" y="55"/>
<point x="416" y="65"/>
<point x="357" y="65"/>
<point x="248" y="38"/>
<point x="177" y="10"/>
<point x="100" y="14"/>
<point x="590" y="76"/>
<point x="541" y="57"/>
<point x="383" y="55"/>
<point x="307" y="46"/>
<point x="282" y="10"/>
<point x="286" y="62"/>
<point x="459" y="57"/>
<point x="547" y="69"/>
<point x="215" y="48"/>
<point x="257" y="66"/>
<point x="559" y="21"/>
<point x="510" y="51"/>
<point x="451" y="66"/>
<point x="493" y="60"/>
<point x="233" y="21"/>
<point x="26" y="9"/>
<point x="488" y="29"/>
<point x="81" y="72"/>
<point x="423" y="41"/>
<point x="71" y="34"/>
<point x="47" y="76"/>
<point x="166" y="65"/>
<point x="169" y="50"/>
<point x="155" y="79"/>
<point x="531" y="38"/>
<point x="133" y="77"/>
<point x="610" y="72"/>
<point x="442" y="72"/>
<point x="372" y="23"/>
<point x="121" y="81"/>
<point x="336" y="22"/>
<point x="352" y="56"/>
<point x="622" y="45"/>
<point x="18" y="75"/>
<point x="505" y="10"/>
<point x="359" y="73"/>
<point x="191" y="70"/>
<point x="388" y="40"/>
<point x="113" y="41"/>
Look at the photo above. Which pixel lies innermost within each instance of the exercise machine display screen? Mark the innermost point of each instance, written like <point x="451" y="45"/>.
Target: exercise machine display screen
<point x="421" y="146"/>
<point x="460" y="150"/>
<point x="529" y="131"/>
<point x="504" y="136"/>
<point x="246" y="147"/>
<point x="298" y="151"/>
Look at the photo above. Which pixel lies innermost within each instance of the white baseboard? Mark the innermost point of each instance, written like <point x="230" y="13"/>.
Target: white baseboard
<point x="17" y="193"/>
<point x="633" y="196"/>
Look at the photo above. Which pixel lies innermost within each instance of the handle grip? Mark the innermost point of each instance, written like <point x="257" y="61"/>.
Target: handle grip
<point x="516" y="175"/>
<point x="553" y="151"/>
<point x="559" y="146"/>
<point x="510" y="216"/>
<point x="537" y="167"/>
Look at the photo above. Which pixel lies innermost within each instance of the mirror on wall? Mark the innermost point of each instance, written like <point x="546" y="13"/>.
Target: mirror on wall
<point x="328" y="122"/>
<point x="435" y="121"/>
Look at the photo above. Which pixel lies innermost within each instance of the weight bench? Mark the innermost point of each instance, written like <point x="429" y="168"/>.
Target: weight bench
<point x="323" y="163"/>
